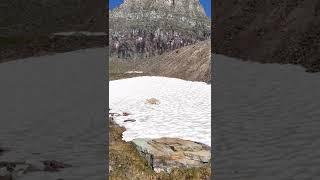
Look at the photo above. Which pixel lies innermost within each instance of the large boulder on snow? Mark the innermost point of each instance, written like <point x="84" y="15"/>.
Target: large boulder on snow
<point x="164" y="154"/>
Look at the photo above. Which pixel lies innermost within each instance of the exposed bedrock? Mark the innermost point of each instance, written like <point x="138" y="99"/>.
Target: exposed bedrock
<point x="142" y="28"/>
<point x="164" y="154"/>
<point x="275" y="31"/>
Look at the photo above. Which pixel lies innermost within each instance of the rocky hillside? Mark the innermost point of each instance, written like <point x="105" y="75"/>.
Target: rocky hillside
<point x="143" y="28"/>
<point x="281" y="31"/>
<point x="192" y="63"/>
<point x="25" y="17"/>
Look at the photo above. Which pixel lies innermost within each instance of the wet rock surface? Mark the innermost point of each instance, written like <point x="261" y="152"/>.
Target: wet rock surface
<point x="164" y="154"/>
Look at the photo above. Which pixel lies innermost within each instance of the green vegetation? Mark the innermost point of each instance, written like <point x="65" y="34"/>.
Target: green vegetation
<point x="118" y="69"/>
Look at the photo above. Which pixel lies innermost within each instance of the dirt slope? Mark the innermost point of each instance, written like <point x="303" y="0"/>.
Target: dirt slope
<point x="274" y="31"/>
<point x="190" y="63"/>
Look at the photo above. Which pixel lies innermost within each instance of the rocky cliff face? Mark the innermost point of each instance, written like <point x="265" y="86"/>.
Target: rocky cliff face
<point x="25" y="17"/>
<point x="282" y="31"/>
<point x="144" y="28"/>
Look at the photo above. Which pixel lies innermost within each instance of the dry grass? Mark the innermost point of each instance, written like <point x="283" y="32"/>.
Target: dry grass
<point x="126" y="163"/>
<point x="189" y="63"/>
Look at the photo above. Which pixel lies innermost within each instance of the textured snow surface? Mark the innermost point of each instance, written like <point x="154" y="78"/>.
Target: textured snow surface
<point x="184" y="110"/>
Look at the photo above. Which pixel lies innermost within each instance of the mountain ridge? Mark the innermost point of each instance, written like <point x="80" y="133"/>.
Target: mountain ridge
<point x="142" y="28"/>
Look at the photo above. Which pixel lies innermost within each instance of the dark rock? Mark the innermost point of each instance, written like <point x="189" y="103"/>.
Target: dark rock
<point x="52" y="165"/>
<point x="129" y="120"/>
<point x="125" y="114"/>
<point x="48" y="44"/>
<point x="16" y="169"/>
<point x="269" y="31"/>
<point x="33" y="17"/>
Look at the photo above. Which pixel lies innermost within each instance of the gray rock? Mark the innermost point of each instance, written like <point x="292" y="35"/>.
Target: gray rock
<point x="163" y="154"/>
<point x="4" y="172"/>
<point x="34" y="165"/>
<point x="144" y="28"/>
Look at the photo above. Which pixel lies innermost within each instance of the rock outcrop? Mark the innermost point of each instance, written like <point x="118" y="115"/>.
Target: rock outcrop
<point x="275" y="31"/>
<point x="33" y="17"/>
<point x="144" y="28"/>
<point x="11" y="170"/>
<point x="164" y="154"/>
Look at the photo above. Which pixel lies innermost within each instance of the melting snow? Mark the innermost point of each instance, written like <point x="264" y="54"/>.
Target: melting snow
<point x="184" y="110"/>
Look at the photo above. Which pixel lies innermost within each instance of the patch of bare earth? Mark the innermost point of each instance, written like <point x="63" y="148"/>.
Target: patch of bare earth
<point x="192" y="63"/>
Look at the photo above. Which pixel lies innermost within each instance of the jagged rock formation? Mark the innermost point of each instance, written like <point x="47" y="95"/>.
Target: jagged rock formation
<point x="281" y="31"/>
<point x="144" y="28"/>
<point x="25" y="17"/>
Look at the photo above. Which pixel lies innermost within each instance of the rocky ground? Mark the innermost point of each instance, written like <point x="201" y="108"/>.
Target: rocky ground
<point x="276" y="31"/>
<point x="34" y="17"/>
<point x="13" y="170"/>
<point x="26" y="26"/>
<point x="17" y="47"/>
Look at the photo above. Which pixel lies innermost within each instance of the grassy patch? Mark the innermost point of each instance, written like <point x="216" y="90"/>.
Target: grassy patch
<point x="118" y="69"/>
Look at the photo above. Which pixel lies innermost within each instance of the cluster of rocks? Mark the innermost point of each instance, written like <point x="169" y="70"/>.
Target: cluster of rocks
<point x="13" y="170"/>
<point x="164" y="154"/>
<point x="141" y="28"/>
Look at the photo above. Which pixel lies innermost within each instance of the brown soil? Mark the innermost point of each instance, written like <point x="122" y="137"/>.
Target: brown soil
<point x="276" y="31"/>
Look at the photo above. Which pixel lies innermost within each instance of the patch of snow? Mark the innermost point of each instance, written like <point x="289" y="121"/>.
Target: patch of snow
<point x="134" y="72"/>
<point x="184" y="111"/>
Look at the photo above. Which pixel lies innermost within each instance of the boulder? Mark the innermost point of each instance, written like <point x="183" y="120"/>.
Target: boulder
<point x="153" y="101"/>
<point x="17" y="169"/>
<point x="164" y="154"/>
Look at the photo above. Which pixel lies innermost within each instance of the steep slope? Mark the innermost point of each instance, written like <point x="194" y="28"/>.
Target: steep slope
<point x="192" y="63"/>
<point x="24" y="17"/>
<point x="281" y="31"/>
<point x="143" y="28"/>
